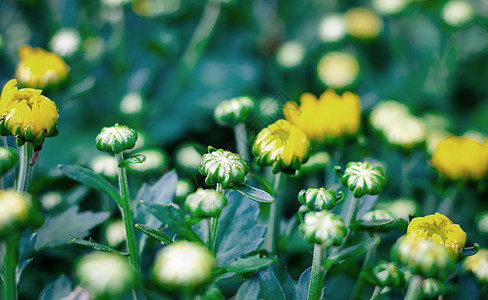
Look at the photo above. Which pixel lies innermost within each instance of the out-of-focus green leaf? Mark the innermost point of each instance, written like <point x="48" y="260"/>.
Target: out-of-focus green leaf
<point x="249" y="289"/>
<point x="248" y="264"/>
<point x="253" y="193"/>
<point x="154" y="233"/>
<point x="57" y="289"/>
<point x="276" y="283"/>
<point x="350" y="252"/>
<point x="26" y="246"/>
<point x="94" y="245"/>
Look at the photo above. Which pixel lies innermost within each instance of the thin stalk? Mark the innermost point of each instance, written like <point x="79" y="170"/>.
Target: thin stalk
<point x="25" y="171"/>
<point x="352" y="211"/>
<point x="213" y="225"/>
<point x="376" y="292"/>
<point x="414" y="287"/>
<point x="358" y="288"/>
<point x="10" y="261"/>
<point x="274" y="219"/>
<point x="240" y="136"/>
<point x="208" y="225"/>
<point x="318" y="275"/>
<point x="127" y="214"/>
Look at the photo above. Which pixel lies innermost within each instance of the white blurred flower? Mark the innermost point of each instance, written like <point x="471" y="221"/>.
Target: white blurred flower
<point x="188" y="158"/>
<point x="104" y="164"/>
<point x="386" y="112"/>
<point x="290" y="54"/>
<point x="338" y="70"/>
<point x="457" y="13"/>
<point x="401" y="208"/>
<point x="183" y="188"/>
<point x="332" y="28"/>
<point x="65" y="42"/>
<point x="405" y="132"/>
<point x="390" y="7"/>
<point x="115" y="233"/>
<point x="51" y="199"/>
<point x="156" y="161"/>
<point x="131" y="104"/>
<point x="433" y="138"/>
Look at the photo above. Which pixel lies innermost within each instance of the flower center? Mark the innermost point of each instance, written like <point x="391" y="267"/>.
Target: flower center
<point x="282" y="135"/>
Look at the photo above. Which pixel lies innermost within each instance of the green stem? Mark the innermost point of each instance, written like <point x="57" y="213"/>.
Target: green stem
<point x="240" y="136"/>
<point x="352" y="211"/>
<point x="10" y="261"/>
<point x="318" y="275"/>
<point x="25" y="171"/>
<point x="274" y="219"/>
<point x="215" y="226"/>
<point x="414" y="287"/>
<point x="127" y="214"/>
<point x="376" y="292"/>
<point x="358" y="288"/>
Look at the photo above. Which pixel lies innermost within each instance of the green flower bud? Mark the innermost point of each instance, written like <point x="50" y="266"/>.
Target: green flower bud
<point x="361" y="178"/>
<point x="8" y="159"/>
<point x="183" y="264"/>
<point x="323" y="228"/>
<point x="377" y="220"/>
<point x="17" y="212"/>
<point x="234" y="111"/>
<point x="424" y="257"/>
<point x="431" y="288"/>
<point x="223" y="167"/>
<point x="320" y="199"/>
<point x="205" y="203"/>
<point x="388" y="274"/>
<point x="105" y="274"/>
<point x="116" y="139"/>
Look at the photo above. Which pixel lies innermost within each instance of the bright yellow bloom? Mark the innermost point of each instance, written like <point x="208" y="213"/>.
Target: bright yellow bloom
<point x="362" y="23"/>
<point x="283" y="146"/>
<point x="27" y="115"/>
<point x="39" y="68"/>
<point x="461" y="158"/>
<point x="329" y="117"/>
<point x="478" y="264"/>
<point x="438" y="228"/>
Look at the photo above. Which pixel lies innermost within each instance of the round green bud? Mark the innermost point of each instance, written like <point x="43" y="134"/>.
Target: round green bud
<point x="183" y="264"/>
<point x="424" y="257"/>
<point x="323" y="228"/>
<point x="234" y="111"/>
<point x="388" y="274"/>
<point x="205" y="203"/>
<point x="17" y="212"/>
<point x="8" y="159"/>
<point x="431" y="288"/>
<point x="223" y="167"/>
<point x="320" y="199"/>
<point x="116" y="139"/>
<point x="105" y="274"/>
<point x="361" y="178"/>
<point x="377" y="220"/>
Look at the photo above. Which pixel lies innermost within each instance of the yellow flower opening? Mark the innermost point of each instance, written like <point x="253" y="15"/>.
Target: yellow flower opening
<point x="39" y="68"/>
<point x="283" y="146"/>
<point x="329" y="117"/>
<point x="27" y="115"/>
<point x="439" y="228"/>
<point x="461" y="158"/>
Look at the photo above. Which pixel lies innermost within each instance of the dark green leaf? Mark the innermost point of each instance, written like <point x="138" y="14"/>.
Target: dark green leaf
<point x="91" y="179"/>
<point x="174" y="220"/>
<point x="238" y="232"/>
<point x="155" y="233"/>
<point x="375" y="223"/>
<point x="253" y="193"/>
<point x="276" y="283"/>
<point x="57" y="289"/>
<point x="248" y="290"/>
<point x="135" y="159"/>
<point x="57" y="230"/>
<point x="350" y="252"/>
<point x="303" y="284"/>
<point x="26" y="246"/>
<point x="248" y="264"/>
<point x="94" y="245"/>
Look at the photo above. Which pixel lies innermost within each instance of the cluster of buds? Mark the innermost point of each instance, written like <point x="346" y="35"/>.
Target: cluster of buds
<point x="223" y="167"/>
<point x="361" y="178"/>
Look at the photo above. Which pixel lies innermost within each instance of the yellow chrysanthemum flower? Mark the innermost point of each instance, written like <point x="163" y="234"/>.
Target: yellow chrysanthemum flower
<point x="439" y="228"/>
<point x="283" y="146"/>
<point x="39" y="68"/>
<point x="329" y="117"/>
<point x="478" y="265"/>
<point x="461" y="158"/>
<point x="27" y="115"/>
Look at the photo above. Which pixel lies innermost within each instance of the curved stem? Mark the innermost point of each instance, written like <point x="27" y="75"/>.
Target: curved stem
<point x="240" y="136"/>
<point x="10" y="261"/>
<point x="318" y="275"/>
<point x="414" y="288"/>
<point x="127" y="214"/>
<point x="25" y="171"/>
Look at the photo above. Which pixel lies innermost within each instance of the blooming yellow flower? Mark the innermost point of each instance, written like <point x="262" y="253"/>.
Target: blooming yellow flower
<point x="439" y="228"/>
<point x="362" y="23"/>
<point x="478" y="265"/>
<point x="39" y="68"/>
<point x="461" y="158"/>
<point x="329" y="117"/>
<point x="27" y="115"/>
<point x="283" y="146"/>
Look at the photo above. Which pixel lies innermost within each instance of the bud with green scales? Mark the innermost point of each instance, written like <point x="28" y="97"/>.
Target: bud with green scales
<point x="431" y="288"/>
<point x="361" y="178"/>
<point x="223" y="167"/>
<point x="323" y="228"/>
<point x="388" y="274"/>
<point x="320" y="199"/>
<point x="116" y="139"/>
<point x="234" y="111"/>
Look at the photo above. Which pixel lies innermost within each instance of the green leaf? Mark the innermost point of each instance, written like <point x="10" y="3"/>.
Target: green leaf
<point x="135" y="159"/>
<point x="155" y="233"/>
<point x="301" y="290"/>
<point x="174" y="219"/>
<point x="375" y="223"/>
<point x="57" y="230"/>
<point x="58" y="289"/>
<point x="468" y="251"/>
<point x="248" y="264"/>
<point x="253" y="193"/>
<point x="26" y="246"/>
<point x="350" y="252"/>
<point x="248" y="290"/>
<point x="238" y="232"/>
<point x="276" y="283"/>
<point x="95" y="246"/>
<point x="91" y="179"/>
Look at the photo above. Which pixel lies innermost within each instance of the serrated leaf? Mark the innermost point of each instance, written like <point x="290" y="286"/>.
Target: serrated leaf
<point x="57" y="230"/>
<point x="95" y="246"/>
<point x="375" y="223"/>
<point x="253" y="193"/>
<point x="248" y="264"/>
<point x="174" y="219"/>
<point x="349" y="252"/>
<point x="276" y="283"/>
<point x="238" y="232"/>
<point x="57" y="289"/>
<point x="91" y="179"/>
<point x="135" y="159"/>
<point x="155" y="233"/>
